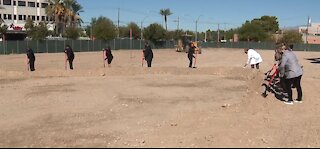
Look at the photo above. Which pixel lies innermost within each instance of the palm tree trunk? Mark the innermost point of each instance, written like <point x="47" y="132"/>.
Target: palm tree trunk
<point x="56" y="21"/>
<point x="165" y="20"/>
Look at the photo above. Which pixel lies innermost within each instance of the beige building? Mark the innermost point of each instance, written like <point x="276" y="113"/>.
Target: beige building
<point x="15" y="12"/>
<point x="313" y="33"/>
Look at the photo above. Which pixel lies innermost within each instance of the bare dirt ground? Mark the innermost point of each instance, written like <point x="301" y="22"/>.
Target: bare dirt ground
<point x="216" y="105"/>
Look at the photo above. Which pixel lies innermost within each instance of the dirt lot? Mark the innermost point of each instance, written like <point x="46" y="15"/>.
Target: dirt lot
<point x="216" y="105"/>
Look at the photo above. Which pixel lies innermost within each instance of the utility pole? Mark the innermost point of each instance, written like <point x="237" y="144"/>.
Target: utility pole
<point x="218" y="32"/>
<point x="141" y="35"/>
<point x="205" y="36"/>
<point x="307" y="32"/>
<point x="178" y="21"/>
<point x="225" y="30"/>
<point x="196" y="40"/>
<point x="118" y="22"/>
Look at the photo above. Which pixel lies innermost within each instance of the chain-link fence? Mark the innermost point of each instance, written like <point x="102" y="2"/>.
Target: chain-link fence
<point x="55" y="46"/>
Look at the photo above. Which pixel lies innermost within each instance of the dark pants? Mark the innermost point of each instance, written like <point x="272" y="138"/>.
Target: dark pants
<point x="31" y="64"/>
<point x="149" y="62"/>
<point x="288" y="85"/>
<point x="110" y="59"/>
<point x="257" y="66"/>
<point x="190" y="61"/>
<point x="70" y="63"/>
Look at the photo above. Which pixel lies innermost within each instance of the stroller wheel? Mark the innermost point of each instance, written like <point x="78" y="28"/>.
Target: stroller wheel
<point x="264" y="95"/>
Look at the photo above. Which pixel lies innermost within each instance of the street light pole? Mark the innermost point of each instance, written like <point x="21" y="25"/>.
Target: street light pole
<point x="307" y="32"/>
<point x="141" y="28"/>
<point x="197" y="28"/>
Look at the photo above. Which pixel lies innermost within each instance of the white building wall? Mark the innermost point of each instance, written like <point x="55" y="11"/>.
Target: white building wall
<point x="36" y="13"/>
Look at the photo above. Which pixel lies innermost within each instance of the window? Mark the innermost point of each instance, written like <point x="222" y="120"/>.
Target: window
<point x="5" y="16"/>
<point x="0" y="16"/>
<point x="31" y="4"/>
<point x="9" y="17"/>
<point x="33" y="18"/>
<point x="20" y="17"/>
<point x="38" y="18"/>
<point x="44" y="5"/>
<point x="43" y="18"/>
<point x="37" y="4"/>
<point x="14" y="3"/>
<point x="7" y="2"/>
<point x="24" y="17"/>
<point x="14" y="17"/>
<point x="21" y="3"/>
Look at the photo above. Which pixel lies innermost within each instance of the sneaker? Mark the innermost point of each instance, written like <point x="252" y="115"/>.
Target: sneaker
<point x="288" y="102"/>
<point x="298" y="101"/>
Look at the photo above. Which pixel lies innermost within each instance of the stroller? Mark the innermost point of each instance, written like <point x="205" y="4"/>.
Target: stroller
<point x="273" y="82"/>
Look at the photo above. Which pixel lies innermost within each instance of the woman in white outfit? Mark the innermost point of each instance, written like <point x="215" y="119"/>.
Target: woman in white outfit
<point x="254" y="58"/>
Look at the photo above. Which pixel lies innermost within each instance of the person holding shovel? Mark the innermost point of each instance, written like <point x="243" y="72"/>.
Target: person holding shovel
<point x="69" y="56"/>
<point x="107" y="55"/>
<point x="30" y="59"/>
<point x="191" y="52"/>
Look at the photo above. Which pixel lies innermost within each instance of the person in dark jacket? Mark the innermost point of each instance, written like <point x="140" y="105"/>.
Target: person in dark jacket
<point x="31" y="59"/>
<point x="69" y="56"/>
<point x="190" y="54"/>
<point x="148" y="54"/>
<point x="108" y="55"/>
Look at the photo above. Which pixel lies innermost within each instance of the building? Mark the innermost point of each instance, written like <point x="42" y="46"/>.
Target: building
<point x="311" y="33"/>
<point x="14" y="13"/>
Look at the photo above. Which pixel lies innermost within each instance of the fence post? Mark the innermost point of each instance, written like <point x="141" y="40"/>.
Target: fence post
<point x="80" y="45"/>
<point x="18" y="51"/>
<point x="72" y="44"/>
<point x="56" y="45"/>
<point x="89" y="44"/>
<point x="37" y="46"/>
<point x="92" y="45"/>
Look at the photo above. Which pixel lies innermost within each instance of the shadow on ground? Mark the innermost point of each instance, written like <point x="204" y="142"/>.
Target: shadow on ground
<point x="314" y="60"/>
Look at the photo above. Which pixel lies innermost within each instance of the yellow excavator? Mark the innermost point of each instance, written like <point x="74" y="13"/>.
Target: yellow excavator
<point x="183" y="44"/>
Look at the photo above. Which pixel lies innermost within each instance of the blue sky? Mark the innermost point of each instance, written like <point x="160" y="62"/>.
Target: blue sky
<point x="228" y="13"/>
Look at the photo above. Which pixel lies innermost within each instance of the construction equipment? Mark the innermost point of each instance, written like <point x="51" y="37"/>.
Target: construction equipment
<point x="183" y="44"/>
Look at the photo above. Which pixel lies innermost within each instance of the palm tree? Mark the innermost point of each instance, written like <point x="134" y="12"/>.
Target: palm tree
<point x="56" y="10"/>
<point x="72" y="16"/>
<point x="3" y="29"/>
<point x="165" y="13"/>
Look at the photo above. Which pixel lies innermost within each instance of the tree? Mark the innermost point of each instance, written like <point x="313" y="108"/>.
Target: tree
<point x="29" y="26"/>
<point x="72" y="32"/>
<point x="3" y="30"/>
<point x="154" y="33"/>
<point x="72" y="10"/>
<point x="165" y="13"/>
<point x="135" y="30"/>
<point x="252" y="32"/>
<point x="125" y="30"/>
<point x="65" y="13"/>
<point x="174" y="35"/>
<point x="56" y="10"/>
<point x="292" y="36"/>
<point x="40" y="32"/>
<point x="268" y="23"/>
<point x="103" y="28"/>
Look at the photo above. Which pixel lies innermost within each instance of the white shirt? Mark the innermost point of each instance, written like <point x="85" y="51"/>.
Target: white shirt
<point x="253" y="57"/>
